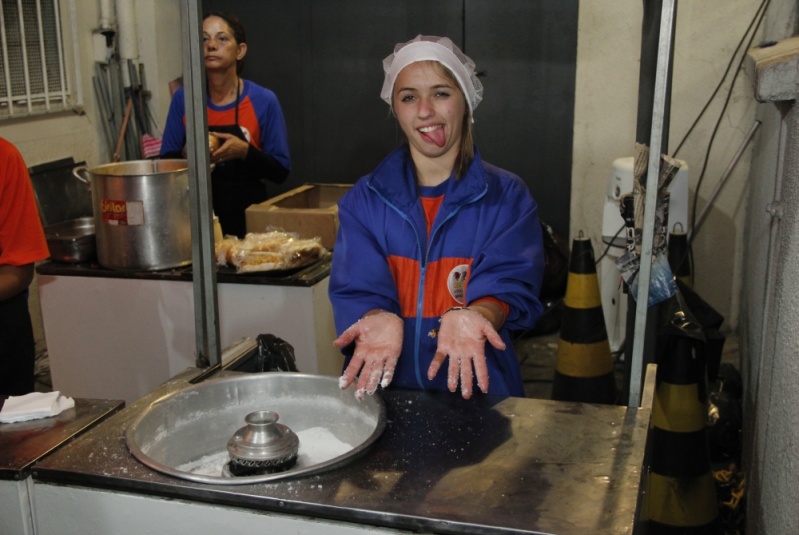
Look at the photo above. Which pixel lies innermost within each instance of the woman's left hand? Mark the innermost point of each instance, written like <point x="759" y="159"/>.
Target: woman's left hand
<point x="462" y="337"/>
<point x="231" y="148"/>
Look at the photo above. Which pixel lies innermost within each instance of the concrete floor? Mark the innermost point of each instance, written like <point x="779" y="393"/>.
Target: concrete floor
<point x="537" y="355"/>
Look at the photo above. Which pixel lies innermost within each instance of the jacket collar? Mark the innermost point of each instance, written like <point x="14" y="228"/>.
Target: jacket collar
<point x="394" y="179"/>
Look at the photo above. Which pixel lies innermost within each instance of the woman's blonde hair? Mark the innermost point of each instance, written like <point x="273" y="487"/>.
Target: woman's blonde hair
<point x="466" y="146"/>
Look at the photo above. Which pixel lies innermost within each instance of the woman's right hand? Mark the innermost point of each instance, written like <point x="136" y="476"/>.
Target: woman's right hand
<point x="229" y="148"/>
<point x="378" y="343"/>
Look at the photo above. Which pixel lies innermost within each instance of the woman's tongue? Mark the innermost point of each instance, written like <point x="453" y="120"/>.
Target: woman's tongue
<point x="434" y="136"/>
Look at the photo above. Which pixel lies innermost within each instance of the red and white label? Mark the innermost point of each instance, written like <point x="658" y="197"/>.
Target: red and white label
<point x="123" y="213"/>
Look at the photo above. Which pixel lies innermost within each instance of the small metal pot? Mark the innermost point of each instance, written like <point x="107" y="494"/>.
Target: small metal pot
<point x="72" y="241"/>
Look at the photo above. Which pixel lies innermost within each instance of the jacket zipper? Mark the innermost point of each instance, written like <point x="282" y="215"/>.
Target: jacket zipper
<point x="423" y="254"/>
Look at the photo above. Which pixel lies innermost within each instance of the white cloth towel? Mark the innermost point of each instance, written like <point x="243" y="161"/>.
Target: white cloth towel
<point x="34" y="406"/>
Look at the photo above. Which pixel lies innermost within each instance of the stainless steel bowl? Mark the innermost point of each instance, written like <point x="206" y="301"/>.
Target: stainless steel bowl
<point x="72" y="241"/>
<point x="197" y="422"/>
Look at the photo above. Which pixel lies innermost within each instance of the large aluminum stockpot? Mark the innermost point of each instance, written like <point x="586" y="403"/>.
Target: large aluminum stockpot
<point x="141" y="213"/>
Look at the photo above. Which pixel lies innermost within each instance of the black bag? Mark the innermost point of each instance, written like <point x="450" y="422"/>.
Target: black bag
<point x="275" y="354"/>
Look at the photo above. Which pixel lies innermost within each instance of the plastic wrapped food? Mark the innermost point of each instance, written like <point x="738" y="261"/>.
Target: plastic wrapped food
<point x="268" y="251"/>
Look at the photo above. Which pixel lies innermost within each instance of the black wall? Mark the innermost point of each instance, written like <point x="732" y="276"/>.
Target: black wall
<point x="323" y="59"/>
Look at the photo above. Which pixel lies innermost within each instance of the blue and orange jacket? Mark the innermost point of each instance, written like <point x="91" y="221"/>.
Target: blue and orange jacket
<point x="485" y="242"/>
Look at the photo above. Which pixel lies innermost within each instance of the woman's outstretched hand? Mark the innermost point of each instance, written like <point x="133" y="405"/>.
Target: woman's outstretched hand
<point x="462" y="337"/>
<point x="378" y="343"/>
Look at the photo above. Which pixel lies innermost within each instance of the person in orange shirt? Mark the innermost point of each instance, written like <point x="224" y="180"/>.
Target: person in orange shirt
<point x="22" y="244"/>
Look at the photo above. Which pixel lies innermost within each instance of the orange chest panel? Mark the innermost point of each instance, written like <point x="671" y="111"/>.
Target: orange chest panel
<point x="445" y="284"/>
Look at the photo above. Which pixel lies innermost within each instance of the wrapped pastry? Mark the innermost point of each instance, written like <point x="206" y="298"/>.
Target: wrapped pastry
<point x="268" y="251"/>
<point x="222" y="249"/>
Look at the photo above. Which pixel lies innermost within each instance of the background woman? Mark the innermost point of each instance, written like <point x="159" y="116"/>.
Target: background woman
<point x="439" y="254"/>
<point x="244" y="117"/>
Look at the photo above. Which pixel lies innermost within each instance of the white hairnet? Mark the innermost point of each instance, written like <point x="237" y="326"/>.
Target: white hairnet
<point x="432" y="48"/>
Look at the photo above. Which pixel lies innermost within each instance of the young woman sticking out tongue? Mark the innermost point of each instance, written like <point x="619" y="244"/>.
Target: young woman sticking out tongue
<point x="439" y="255"/>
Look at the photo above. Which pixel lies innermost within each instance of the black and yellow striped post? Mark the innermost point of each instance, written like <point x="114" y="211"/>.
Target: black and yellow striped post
<point x="584" y="365"/>
<point x="679" y="262"/>
<point x="682" y="493"/>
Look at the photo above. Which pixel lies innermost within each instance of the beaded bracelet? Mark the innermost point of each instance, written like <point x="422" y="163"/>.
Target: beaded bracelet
<point x="502" y="313"/>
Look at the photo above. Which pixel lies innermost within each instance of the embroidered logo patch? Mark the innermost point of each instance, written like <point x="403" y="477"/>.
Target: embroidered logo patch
<point x="456" y="282"/>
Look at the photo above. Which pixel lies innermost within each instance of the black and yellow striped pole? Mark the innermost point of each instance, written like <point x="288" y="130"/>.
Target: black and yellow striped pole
<point x="584" y="365"/>
<point x="679" y="262"/>
<point x="682" y="493"/>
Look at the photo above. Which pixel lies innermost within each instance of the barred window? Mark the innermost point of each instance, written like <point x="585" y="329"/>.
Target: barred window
<point x="33" y="77"/>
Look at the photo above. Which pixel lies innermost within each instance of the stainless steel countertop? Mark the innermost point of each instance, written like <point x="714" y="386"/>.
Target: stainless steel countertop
<point x="24" y="443"/>
<point x="443" y="465"/>
<point x="304" y="276"/>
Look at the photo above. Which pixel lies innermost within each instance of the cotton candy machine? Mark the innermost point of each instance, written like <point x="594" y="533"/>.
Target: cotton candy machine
<point x="193" y="433"/>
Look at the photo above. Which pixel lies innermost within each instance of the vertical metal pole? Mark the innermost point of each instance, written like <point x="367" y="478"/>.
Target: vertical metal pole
<point x="206" y="322"/>
<point x="24" y="49"/>
<point x="653" y="172"/>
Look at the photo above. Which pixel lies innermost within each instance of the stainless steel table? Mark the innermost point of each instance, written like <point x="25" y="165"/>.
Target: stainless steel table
<point x="22" y="444"/>
<point x="443" y="465"/>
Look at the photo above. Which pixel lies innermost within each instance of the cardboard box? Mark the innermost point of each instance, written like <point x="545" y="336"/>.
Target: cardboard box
<point x="309" y="210"/>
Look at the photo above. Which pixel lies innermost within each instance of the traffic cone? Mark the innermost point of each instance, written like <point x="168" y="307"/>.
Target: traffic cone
<point x="682" y="493"/>
<point x="583" y="365"/>
<point x="679" y="262"/>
